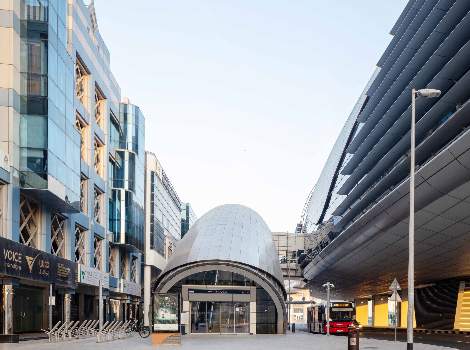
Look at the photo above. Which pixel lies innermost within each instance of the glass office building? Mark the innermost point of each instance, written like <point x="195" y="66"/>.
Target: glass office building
<point x="126" y="178"/>
<point x="188" y="218"/>
<point x="59" y="101"/>
<point x="225" y="276"/>
<point x="126" y="208"/>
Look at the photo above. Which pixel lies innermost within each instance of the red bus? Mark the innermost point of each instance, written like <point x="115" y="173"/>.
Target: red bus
<point x="341" y="317"/>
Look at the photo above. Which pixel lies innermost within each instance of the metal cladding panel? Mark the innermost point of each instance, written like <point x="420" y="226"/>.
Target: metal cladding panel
<point x="358" y="260"/>
<point x="229" y="232"/>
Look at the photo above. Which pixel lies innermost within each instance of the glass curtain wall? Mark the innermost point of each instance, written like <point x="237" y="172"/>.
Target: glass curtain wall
<point x="49" y="143"/>
<point x="33" y="107"/>
<point x="126" y="201"/>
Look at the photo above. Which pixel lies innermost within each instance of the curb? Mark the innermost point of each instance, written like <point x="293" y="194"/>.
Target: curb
<point x="419" y="330"/>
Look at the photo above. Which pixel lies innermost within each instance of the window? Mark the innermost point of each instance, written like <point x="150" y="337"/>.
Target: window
<point x="134" y="268"/>
<point x="36" y="10"/>
<point x="112" y="261"/>
<point x="81" y="126"/>
<point x="81" y="82"/>
<point x="29" y="222"/>
<point x="58" y="235"/>
<point x="98" y="156"/>
<point x="80" y="245"/>
<point x="98" y="205"/>
<point x="115" y="132"/>
<point x="83" y="194"/>
<point x="99" y="106"/>
<point x="36" y="77"/>
<point x="98" y="252"/>
<point x="124" y="267"/>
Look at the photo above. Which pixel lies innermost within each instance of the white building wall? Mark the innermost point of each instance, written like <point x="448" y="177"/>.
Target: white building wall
<point x="168" y="213"/>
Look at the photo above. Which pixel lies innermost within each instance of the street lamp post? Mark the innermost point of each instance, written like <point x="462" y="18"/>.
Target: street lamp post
<point x="328" y="286"/>
<point x="429" y="93"/>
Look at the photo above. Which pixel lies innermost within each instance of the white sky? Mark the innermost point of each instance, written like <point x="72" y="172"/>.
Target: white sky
<point x="244" y="98"/>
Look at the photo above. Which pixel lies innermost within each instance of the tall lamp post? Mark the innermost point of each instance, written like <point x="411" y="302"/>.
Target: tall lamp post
<point x="328" y="286"/>
<point x="428" y="93"/>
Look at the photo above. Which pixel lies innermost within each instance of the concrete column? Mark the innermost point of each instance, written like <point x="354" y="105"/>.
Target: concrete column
<point x="8" y="309"/>
<point x="186" y="318"/>
<point x="370" y="312"/>
<point x="252" y="317"/>
<point x="147" y="277"/>
<point x="100" y="305"/>
<point x="108" y="310"/>
<point x="81" y="306"/>
<point x="67" y="306"/>
<point x="49" y="304"/>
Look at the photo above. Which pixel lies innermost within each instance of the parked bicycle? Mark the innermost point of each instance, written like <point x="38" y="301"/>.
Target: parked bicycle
<point x="138" y="326"/>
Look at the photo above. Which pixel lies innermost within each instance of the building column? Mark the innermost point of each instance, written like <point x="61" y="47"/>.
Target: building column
<point x="108" y="310"/>
<point x="185" y="316"/>
<point x="67" y="306"/>
<point x="253" y="310"/>
<point x="81" y="306"/>
<point x="370" y="312"/>
<point x="147" y="277"/>
<point x="8" y="309"/>
<point x="252" y="317"/>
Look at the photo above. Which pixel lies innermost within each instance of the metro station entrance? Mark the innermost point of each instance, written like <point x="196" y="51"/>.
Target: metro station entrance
<point x="220" y="317"/>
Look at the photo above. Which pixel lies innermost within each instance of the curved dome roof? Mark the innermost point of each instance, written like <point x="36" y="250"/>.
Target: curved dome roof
<point x="230" y="232"/>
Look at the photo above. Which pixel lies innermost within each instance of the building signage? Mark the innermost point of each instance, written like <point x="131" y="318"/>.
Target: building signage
<point x="131" y="288"/>
<point x="92" y="276"/>
<point x="18" y="260"/>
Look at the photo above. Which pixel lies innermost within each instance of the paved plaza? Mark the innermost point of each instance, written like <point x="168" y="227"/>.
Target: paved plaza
<point x="298" y="341"/>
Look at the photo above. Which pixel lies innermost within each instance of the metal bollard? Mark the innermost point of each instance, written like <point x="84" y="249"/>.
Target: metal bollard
<point x="293" y="327"/>
<point x="353" y="338"/>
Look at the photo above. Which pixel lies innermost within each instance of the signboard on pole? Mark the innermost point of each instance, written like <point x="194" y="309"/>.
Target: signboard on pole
<point x="395" y="297"/>
<point x="395" y="285"/>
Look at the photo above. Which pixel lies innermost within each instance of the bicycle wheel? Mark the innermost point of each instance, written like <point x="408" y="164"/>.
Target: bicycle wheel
<point x="144" y="331"/>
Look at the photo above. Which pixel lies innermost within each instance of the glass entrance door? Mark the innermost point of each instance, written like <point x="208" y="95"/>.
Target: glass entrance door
<point x="226" y="318"/>
<point x="27" y="309"/>
<point x="198" y="317"/>
<point x="213" y="317"/>
<point x="220" y="317"/>
<point x="242" y="317"/>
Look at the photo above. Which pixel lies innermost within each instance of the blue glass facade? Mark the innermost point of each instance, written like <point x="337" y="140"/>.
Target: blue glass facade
<point x="126" y="201"/>
<point x="49" y="143"/>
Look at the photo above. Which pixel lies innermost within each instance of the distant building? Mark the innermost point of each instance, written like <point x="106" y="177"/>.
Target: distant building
<point x="188" y="218"/>
<point x="290" y="246"/>
<point x="162" y="223"/>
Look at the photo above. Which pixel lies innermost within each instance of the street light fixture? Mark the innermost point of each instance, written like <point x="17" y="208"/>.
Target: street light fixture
<point x="428" y="93"/>
<point x="328" y="286"/>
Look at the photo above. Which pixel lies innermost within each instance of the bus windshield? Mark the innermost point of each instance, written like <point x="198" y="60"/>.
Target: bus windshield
<point x="341" y="316"/>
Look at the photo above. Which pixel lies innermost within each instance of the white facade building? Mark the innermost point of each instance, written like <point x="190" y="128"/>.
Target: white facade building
<point x="162" y="223"/>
